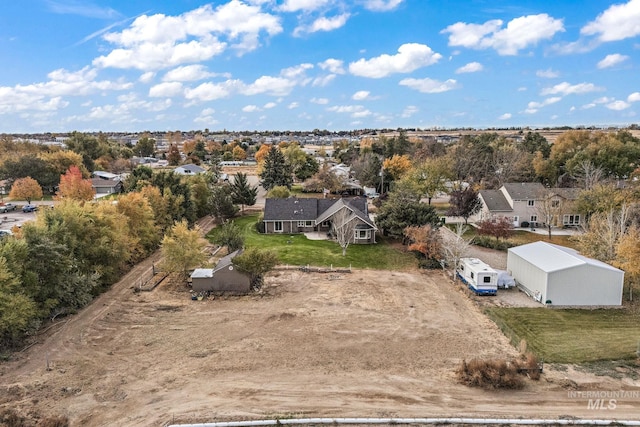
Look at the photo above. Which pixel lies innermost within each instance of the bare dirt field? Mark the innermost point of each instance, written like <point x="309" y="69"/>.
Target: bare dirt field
<point x="366" y="344"/>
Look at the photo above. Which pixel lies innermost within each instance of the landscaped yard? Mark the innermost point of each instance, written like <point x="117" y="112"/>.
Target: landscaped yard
<point x="522" y="237"/>
<point x="572" y="336"/>
<point x="296" y="249"/>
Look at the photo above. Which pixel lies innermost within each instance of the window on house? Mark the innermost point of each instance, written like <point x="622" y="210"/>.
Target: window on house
<point x="300" y="223"/>
<point x="530" y="202"/>
<point x="571" y="220"/>
<point x="486" y="279"/>
<point x="362" y="234"/>
<point x="277" y="226"/>
<point x="308" y="224"/>
<point x="534" y="218"/>
<point x="326" y="223"/>
<point x="555" y="203"/>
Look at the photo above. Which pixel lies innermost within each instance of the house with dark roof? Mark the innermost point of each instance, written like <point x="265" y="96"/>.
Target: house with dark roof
<point x="530" y="203"/>
<point x="224" y="278"/>
<point x="104" y="186"/>
<point x="294" y="215"/>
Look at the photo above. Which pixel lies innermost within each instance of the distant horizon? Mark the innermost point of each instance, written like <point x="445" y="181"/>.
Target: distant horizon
<point x="326" y="64"/>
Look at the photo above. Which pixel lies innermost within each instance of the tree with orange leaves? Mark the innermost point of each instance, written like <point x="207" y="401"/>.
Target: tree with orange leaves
<point x="74" y="187"/>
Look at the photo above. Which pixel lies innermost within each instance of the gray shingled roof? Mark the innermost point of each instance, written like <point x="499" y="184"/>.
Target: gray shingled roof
<point x="291" y="209"/>
<point x="524" y="190"/>
<point x="495" y="201"/>
<point x="226" y="260"/>
<point x="294" y="209"/>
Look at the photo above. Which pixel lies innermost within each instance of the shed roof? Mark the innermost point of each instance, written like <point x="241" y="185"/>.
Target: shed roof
<point x="549" y="257"/>
<point x="202" y="273"/>
<point x="227" y="260"/>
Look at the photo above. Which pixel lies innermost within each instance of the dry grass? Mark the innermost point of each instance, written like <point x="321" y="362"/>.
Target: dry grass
<point x="499" y="374"/>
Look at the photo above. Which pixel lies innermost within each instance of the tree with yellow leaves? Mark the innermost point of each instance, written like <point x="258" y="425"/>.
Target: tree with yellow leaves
<point x="627" y="256"/>
<point x="25" y="189"/>
<point x="397" y="166"/>
<point x="183" y="249"/>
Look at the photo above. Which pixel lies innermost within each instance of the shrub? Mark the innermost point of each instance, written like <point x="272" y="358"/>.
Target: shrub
<point x="488" y="242"/>
<point x="429" y="264"/>
<point x="490" y="374"/>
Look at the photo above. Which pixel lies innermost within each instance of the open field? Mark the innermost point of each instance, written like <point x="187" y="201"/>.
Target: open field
<point x="371" y="343"/>
<point x="574" y="335"/>
<point x="296" y="249"/>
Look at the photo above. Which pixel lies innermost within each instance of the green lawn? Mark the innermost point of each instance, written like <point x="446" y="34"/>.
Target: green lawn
<point x="572" y="336"/>
<point x="296" y="249"/>
<point x="522" y="237"/>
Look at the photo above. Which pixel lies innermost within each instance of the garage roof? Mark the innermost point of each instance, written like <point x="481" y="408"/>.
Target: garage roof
<point x="549" y="257"/>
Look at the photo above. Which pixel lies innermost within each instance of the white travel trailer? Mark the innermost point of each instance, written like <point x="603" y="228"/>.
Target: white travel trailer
<point x="480" y="277"/>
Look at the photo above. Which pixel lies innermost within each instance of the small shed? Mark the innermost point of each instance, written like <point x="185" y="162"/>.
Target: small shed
<point x="224" y="278"/>
<point x="557" y="275"/>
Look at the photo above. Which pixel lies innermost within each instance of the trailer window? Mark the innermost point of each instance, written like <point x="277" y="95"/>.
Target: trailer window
<point x="487" y="279"/>
<point x="472" y="275"/>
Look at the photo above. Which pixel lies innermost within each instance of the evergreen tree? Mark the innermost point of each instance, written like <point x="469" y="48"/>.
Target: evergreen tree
<point x="222" y="207"/>
<point x="276" y="171"/>
<point x="464" y="203"/>
<point x="243" y="193"/>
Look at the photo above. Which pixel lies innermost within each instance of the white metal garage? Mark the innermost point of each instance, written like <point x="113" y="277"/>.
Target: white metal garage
<point x="558" y="275"/>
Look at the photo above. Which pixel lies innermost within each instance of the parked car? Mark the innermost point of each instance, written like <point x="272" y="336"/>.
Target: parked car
<point x="7" y="207"/>
<point x="29" y="208"/>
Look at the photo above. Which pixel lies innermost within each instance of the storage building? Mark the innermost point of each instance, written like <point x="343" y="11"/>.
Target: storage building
<point x="557" y="275"/>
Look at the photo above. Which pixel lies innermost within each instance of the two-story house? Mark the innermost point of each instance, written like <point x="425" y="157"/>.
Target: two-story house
<point x="532" y="204"/>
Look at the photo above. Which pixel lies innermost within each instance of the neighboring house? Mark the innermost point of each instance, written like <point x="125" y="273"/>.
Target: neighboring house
<point x="106" y="186"/>
<point x="223" y="278"/>
<point x="295" y="215"/>
<point x="189" y="169"/>
<point x="556" y="275"/>
<point x="531" y="203"/>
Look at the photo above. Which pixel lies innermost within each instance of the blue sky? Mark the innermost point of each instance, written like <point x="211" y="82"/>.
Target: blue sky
<point x="305" y="64"/>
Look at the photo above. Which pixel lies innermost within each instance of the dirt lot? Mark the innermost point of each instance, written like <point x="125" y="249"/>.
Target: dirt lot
<point x="369" y="343"/>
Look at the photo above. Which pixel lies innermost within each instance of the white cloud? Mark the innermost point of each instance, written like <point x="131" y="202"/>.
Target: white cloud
<point x="381" y="5"/>
<point x="409" y="111"/>
<point x="534" y="106"/>
<point x="618" y="105"/>
<point x="159" y="41"/>
<point x="47" y="96"/>
<point x="293" y="105"/>
<point x="360" y="95"/>
<point x="206" y="116"/>
<point x="634" y="97"/>
<point x="522" y="89"/>
<point x="335" y="66"/>
<point x="410" y="57"/>
<point x="251" y="108"/>
<point x="471" y="67"/>
<point x="612" y="60"/>
<point x="547" y="74"/>
<point x="355" y="111"/>
<point x="302" y="5"/>
<point x="319" y="101"/>
<point x="505" y="116"/>
<point x="323" y="24"/>
<point x="166" y="89"/>
<point x="323" y="80"/>
<point x="269" y="105"/>
<point x="209" y="91"/>
<point x="519" y="33"/>
<point x="565" y="88"/>
<point x="429" y="85"/>
<point x="146" y="77"/>
<point x="618" y="22"/>
<point x="187" y="73"/>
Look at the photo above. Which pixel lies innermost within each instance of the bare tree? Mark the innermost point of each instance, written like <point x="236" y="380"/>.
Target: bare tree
<point x="454" y="245"/>
<point x="588" y="174"/>
<point x="550" y="207"/>
<point x="343" y="227"/>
